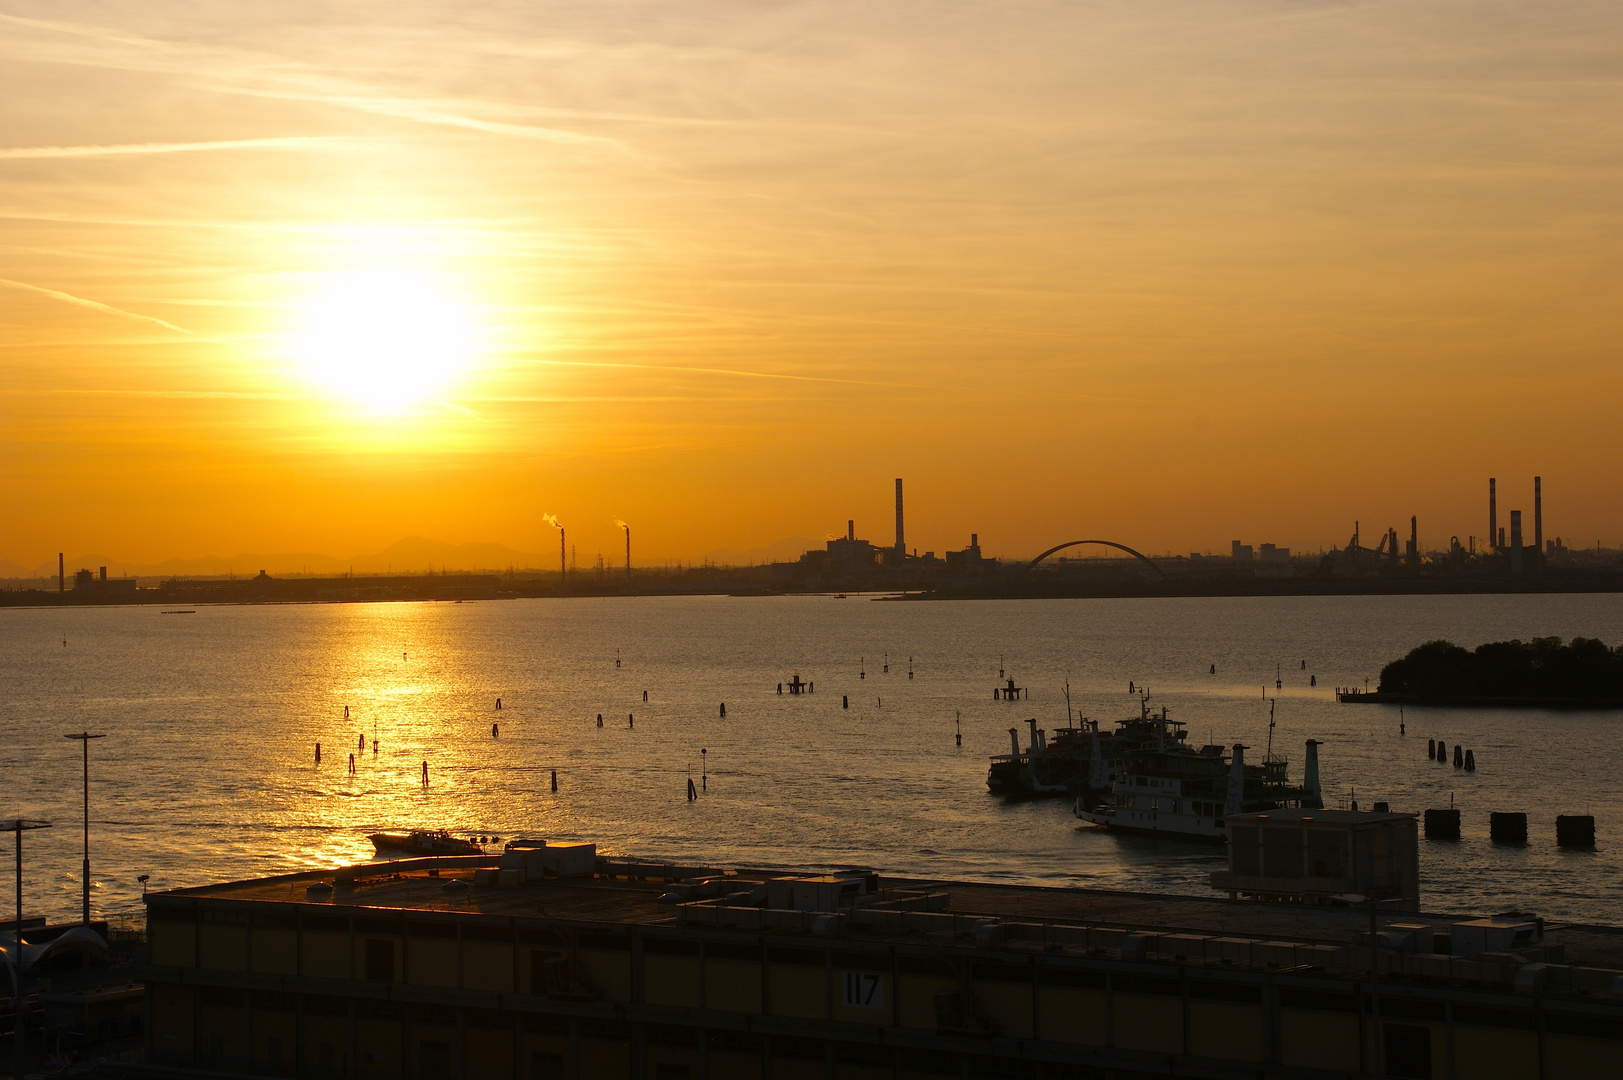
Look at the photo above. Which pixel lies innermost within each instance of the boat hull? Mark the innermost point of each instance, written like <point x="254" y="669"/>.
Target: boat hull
<point x="417" y="843"/>
<point x="1150" y="823"/>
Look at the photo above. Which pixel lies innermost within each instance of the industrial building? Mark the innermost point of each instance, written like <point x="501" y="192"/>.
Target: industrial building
<point x="558" y="963"/>
<point x="849" y="561"/>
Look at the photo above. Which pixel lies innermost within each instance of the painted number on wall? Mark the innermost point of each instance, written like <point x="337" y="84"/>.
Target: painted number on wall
<point x="864" y="990"/>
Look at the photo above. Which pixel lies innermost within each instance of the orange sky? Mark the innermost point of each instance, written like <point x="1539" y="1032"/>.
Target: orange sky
<point x="1165" y="274"/>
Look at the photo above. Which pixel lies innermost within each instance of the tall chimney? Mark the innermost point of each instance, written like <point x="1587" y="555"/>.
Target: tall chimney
<point x="1515" y="541"/>
<point x="901" y="546"/>
<point x="1235" y="800"/>
<point x="850" y="529"/>
<point x="1538" y="514"/>
<point x="1414" y="540"/>
<point x="563" y="563"/>
<point x="1310" y="777"/>
<point x="61" y="574"/>
<point x="1493" y="512"/>
<point x="628" y="549"/>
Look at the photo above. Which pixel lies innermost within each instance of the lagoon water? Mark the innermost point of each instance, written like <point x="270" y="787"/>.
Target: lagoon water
<point x="207" y="771"/>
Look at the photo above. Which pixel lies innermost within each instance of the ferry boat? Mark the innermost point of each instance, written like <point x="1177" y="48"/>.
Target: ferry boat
<point x="422" y="842"/>
<point x="1182" y="792"/>
<point x="1079" y="760"/>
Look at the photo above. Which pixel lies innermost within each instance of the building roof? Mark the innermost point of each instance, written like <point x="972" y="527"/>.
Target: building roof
<point x="632" y="896"/>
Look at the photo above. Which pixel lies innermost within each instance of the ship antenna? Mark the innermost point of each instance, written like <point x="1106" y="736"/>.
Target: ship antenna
<point x="1067" y="701"/>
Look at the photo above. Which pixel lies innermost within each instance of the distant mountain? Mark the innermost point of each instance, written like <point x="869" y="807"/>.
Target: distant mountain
<point x="417" y="553"/>
<point x="787" y="550"/>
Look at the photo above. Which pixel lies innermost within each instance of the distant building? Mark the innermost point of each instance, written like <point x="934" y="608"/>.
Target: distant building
<point x="87" y="581"/>
<point x="1270" y="555"/>
<point x="1240" y="553"/>
<point x="849" y="553"/>
<point x="969" y="560"/>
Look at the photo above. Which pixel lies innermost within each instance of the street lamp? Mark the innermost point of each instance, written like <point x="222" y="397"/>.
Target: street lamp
<point x="85" y="737"/>
<point x="18" y="1032"/>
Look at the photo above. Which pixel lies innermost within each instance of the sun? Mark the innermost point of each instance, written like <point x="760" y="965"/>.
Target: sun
<point x="384" y="338"/>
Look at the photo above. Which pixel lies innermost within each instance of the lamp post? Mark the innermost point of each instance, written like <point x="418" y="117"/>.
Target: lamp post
<point x="85" y="737"/>
<point x="19" y="1034"/>
<point x="1377" y="1049"/>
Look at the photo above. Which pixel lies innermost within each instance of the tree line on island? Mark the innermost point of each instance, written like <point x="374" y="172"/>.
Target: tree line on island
<point x="1540" y="668"/>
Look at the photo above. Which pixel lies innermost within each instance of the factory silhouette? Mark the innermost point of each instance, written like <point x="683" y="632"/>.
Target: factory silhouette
<point x="1501" y="561"/>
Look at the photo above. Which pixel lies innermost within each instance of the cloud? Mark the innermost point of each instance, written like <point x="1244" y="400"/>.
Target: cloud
<point x="283" y="142"/>
<point x="96" y="305"/>
<point x="258" y="74"/>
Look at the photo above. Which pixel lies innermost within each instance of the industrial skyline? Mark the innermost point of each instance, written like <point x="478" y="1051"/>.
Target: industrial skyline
<point x="845" y="549"/>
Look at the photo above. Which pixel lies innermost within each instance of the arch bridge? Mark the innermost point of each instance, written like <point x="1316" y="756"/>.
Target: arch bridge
<point x="1102" y="543"/>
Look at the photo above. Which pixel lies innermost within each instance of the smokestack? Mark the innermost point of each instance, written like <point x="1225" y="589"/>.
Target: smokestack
<point x="901" y="547"/>
<point x="1414" y="540"/>
<point x="850" y="529"/>
<point x="1310" y="777"/>
<point x="1515" y="541"/>
<point x="1236" y="793"/>
<point x="1538" y="514"/>
<point x="563" y="563"/>
<point x="627" y="528"/>
<point x="61" y="574"/>
<point x="1493" y="512"/>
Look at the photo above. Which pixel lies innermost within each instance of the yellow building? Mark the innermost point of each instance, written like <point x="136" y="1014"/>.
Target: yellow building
<point x="458" y="968"/>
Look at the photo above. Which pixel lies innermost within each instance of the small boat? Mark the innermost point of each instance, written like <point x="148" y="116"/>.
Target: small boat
<point x="422" y="842"/>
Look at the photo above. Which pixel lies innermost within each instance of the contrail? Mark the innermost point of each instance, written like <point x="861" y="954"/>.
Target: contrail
<point x="14" y="153"/>
<point x="96" y="305"/>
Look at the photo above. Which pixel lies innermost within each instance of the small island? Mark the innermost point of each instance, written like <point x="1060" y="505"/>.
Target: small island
<point x="1542" y="673"/>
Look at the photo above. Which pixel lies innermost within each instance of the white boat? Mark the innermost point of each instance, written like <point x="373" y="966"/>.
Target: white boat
<point x="1189" y="793"/>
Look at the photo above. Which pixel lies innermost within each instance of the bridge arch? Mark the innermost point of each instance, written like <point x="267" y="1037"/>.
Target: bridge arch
<point x="1102" y="543"/>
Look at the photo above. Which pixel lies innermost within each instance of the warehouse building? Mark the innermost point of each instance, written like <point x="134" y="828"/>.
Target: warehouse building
<point x="557" y="963"/>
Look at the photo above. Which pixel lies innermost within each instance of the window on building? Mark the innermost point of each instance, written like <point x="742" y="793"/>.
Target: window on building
<point x="434" y="1060"/>
<point x="380" y="960"/>
<point x="1408" y="1050"/>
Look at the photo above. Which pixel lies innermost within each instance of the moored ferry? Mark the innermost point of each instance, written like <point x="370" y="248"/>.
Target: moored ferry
<point x="1183" y="792"/>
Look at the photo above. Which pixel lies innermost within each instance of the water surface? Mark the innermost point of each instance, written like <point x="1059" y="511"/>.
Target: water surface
<point x="212" y="718"/>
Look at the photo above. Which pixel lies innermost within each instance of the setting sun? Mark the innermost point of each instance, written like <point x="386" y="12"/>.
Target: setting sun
<point x="383" y="338"/>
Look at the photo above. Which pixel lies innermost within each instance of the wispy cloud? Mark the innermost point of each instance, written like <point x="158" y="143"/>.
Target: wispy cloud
<point x="256" y="74"/>
<point x="281" y="142"/>
<point x="96" y="305"/>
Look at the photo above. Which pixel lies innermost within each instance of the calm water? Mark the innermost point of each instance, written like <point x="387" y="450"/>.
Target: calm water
<point x="207" y="772"/>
